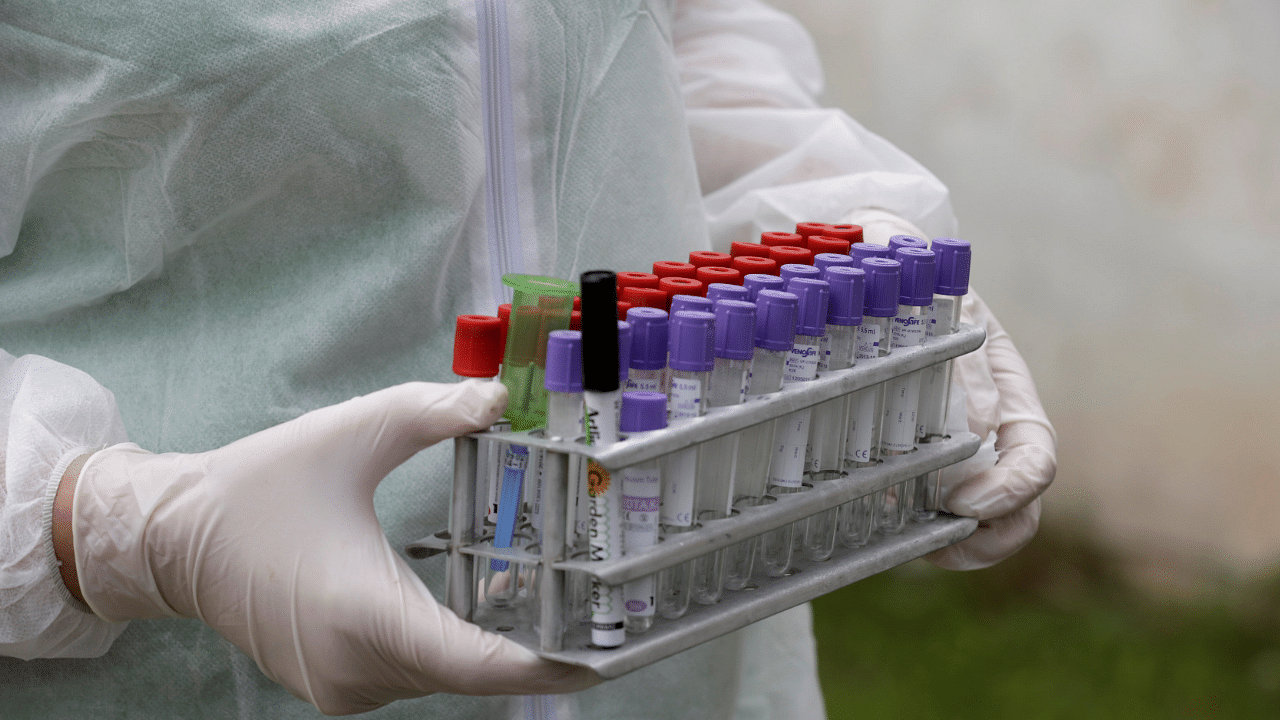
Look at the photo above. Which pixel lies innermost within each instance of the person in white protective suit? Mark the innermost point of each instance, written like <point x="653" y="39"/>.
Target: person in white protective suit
<point x="233" y="236"/>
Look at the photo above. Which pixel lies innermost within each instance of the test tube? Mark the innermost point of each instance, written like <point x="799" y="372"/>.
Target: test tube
<point x="741" y="249"/>
<point x="709" y="258"/>
<point x="774" y="239"/>
<point x="862" y="445"/>
<point x="692" y="360"/>
<point x="564" y="422"/>
<point x="795" y="270"/>
<point x="824" y="260"/>
<point x="791" y="435"/>
<point x="690" y="302"/>
<point x="828" y="432"/>
<point x="902" y="394"/>
<point x="807" y="230"/>
<point x="897" y="242"/>
<point x="674" y="286"/>
<point x="848" y="232"/>
<point x="645" y="297"/>
<point x="734" y="345"/>
<point x="674" y="268"/>
<point x="950" y="286"/>
<point x="478" y="341"/>
<point x="756" y="282"/>
<point x="819" y="244"/>
<point x="775" y="333"/>
<point x="725" y="291"/>
<point x="641" y="413"/>
<point x="754" y="264"/>
<point x="717" y="274"/>
<point x="648" y="362"/>
<point x="785" y="254"/>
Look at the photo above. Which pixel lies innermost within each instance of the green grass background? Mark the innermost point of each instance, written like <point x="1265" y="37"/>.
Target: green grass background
<point x="1054" y="632"/>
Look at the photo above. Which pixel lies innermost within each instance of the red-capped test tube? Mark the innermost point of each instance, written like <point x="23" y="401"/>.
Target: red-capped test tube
<point x="751" y="264"/>
<point x="707" y="258"/>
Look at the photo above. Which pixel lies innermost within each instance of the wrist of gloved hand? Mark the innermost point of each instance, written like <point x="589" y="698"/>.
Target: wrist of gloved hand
<point x="273" y="542"/>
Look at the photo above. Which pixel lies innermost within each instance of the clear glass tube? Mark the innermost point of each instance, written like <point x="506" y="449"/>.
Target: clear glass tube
<point x="641" y="496"/>
<point x="862" y="448"/>
<point x="790" y="442"/>
<point x="827" y="436"/>
<point x="901" y="406"/>
<point x="715" y="477"/>
<point x="935" y="403"/>
<point x="751" y="468"/>
<point x="686" y="399"/>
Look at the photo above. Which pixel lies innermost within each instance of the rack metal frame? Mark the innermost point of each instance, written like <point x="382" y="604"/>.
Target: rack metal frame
<point x="463" y="542"/>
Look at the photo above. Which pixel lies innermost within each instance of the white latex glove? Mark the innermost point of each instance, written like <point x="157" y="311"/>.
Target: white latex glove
<point x="1001" y="399"/>
<point x="272" y="541"/>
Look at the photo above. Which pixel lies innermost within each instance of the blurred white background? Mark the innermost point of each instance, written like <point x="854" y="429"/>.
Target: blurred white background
<point x="1116" y="165"/>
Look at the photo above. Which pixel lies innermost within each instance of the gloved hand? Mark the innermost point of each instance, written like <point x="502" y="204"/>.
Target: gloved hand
<point x="1001" y="399"/>
<point x="272" y="541"/>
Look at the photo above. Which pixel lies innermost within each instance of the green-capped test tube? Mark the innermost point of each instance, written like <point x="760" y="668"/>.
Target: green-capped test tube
<point x="540" y="305"/>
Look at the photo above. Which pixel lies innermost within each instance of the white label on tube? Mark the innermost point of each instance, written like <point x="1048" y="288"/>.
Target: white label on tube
<point x="908" y="329"/>
<point x="604" y="526"/>
<point x="824" y="353"/>
<point x="940" y="311"/>
<point x="685" y="400"/>
<point x="901" y="402"/>
<point x="641" y="497"/>
<point x="635" y="384"/>
<point x="538" y="461"/>
<point x="791" y="440"/>
<point x="801" y="364"/>
<point x="862" y="417"/>
<point x="868" y="341"/>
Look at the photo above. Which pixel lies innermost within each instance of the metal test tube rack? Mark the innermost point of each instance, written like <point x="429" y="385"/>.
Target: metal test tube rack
<point x="552" y="639"/>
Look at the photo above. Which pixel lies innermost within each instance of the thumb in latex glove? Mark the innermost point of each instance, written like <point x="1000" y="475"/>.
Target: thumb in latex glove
<point x="273" y="541"/>
<point x="1001" y="399"/>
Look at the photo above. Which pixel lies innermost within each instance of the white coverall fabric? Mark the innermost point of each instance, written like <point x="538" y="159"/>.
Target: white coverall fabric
<point x="232" y="215"/>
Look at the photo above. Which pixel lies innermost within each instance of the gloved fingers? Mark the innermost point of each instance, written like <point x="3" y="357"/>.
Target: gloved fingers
<point x="1024" y="470"/>
<point x="995" y="540"/>
<point x="1018" y="400"/>
<point x="371" y="435"/>
<point x="439" y="652"/>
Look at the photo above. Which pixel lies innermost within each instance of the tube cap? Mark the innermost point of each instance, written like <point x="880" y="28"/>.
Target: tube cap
<point x="707" y="258"/>
<point x="725" y="291"/>
<point x="637" y="279"/>
<point x="852" y="233"/>
<point x="564" y="361"/>
<point x="901" y="241"/>
<point x="755" y="283"/>
<point x="787" y="254"/>
<point x="742" y="249"/>
<point x="883" y="278"/>
<point x="826" y="244"/>
<point x="645" y="297"/>
<point x="719" y="274"/>
<point x="577" y="303"/>
<point x="776" y="319"/>
<point x="847" y="292"/>
<point x="642" y="411"/>
<point x="477" y="346"/>
<point x="649" y="332"/>
<point x="735" y="329"/>
<point x="868" y="250"/>
<point x="807" y="230"/>
<point x="623" y="307"/>
<point x="673" y="268"/>
<point x="918" y="272"/>
<point x="815" y="298"/>
<point x="773" y="239"/>
<point x="755" y="265"/>
<point x="673" y="286"/>
<point x="822" y="261"/>
<point x="600" y="366"/>
<point x="953" y="256"/>
<point x="624" y="349"/>
<point x="693" y="341"/>
<point x="795" y="270"/>
<point x="575" y="320"/>
<point x="689" y="302"/>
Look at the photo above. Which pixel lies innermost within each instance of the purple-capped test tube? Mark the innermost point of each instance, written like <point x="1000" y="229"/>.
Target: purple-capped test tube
<point x="735" y="344"/>
<point x="775" y="334"/>
<point x="692" y="344"/>
<point x="641" y="413"/>
<point x="791" y="435"/>
<point x="725" y="291"/>
<point x="648" y="360"/>
<point x="953" y="257"/>
<point x="755" y="282"/>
